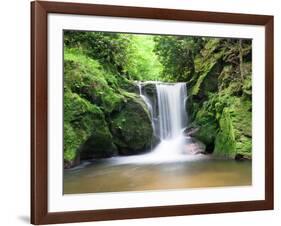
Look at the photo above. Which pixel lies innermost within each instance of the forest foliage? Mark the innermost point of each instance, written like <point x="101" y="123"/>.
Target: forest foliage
<point x="101" y="102"/>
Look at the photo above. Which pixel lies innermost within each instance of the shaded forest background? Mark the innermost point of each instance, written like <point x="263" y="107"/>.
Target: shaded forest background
<point x="105" y="116"/>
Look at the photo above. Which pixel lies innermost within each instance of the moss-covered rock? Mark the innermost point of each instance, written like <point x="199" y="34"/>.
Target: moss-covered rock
<point x="225" y="145"/>
<point x="207" y="80"/>
<point x="131" y="127"/>
<point x="224" y="124"/>
<point x="87" y="78"/>
<point x="208" y="66"/>
<point x="128" y="85"/>
<point x="234" y="137"/>
<point x="71" y="144"/>
<point x="220" y="98"/>
<point x="100" y="143"/>
<point x="78" y="121"/>
<point x="242" y="123"/>
<point x="207" y="128"/>
<point x="86" y="134"/>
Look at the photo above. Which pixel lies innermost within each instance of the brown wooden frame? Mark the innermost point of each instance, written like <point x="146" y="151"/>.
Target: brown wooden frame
<point x="39" y="115"/>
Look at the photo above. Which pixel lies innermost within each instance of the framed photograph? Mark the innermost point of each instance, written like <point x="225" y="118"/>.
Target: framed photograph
<point x="147" y="112"/>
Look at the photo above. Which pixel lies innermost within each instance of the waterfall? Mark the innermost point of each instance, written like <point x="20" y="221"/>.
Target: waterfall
<point x="166" y="106"/>
<point x="172" y="114"/>
<point x="168" y="117"/>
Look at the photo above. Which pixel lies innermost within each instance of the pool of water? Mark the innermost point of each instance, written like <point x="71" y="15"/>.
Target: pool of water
<point x="121" y="174"/>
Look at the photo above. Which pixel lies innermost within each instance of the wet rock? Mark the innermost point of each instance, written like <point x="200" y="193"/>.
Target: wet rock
<point x="194" y="147"/>
<point x="131" y="127"/>
<point x="191" y="131"/>
<point x="67" y="164"/>
<point x="240" y="157"/>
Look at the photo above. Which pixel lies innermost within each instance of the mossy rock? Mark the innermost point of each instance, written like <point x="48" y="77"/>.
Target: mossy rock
<point x="207" y="128"/>
<point x="100" y="142"/>
<point x="191" y="107"/>
<point x="78" y="121"/>
<point x="247" y="83"/>
<point x="150" y="89"/>
<point x="86" y="134"/>
<point x="71" y="144"/>
<point x="225" y="145"/>
<point x="131" y="127"/>
<point x="224" y="124"/>
<point x="242" y="124"/>
<point x="235" y="135"/>
<point x="128" y="85"/>
<point x="86" y="77"/>
<point x="208" y="66"/>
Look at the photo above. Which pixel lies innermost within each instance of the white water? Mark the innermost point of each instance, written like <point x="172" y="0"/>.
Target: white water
<point x="171" y="119"/>
<point x="172" y="114"/>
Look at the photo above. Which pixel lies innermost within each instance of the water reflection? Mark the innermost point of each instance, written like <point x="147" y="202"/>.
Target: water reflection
<point x="106" y="176"/>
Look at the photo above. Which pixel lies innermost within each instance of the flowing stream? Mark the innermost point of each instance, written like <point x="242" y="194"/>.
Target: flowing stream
<point x="169" y="165"/>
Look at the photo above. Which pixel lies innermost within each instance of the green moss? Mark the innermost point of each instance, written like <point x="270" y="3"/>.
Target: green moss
<point x="86" y="132"/>
<point x="210" y="47"/>
<point x="224" y="123"/>
<point x="242" y="124"/>
<point x="208" y="127"/>
<point x="131" y="127"/>
<point x="99" y="144"/>
<point x="103" y="111"/>
<point x="247" y="83"/>
<point x="207" y="69"/>
<point x="71" y="142"/>
<point x="78" y="122"/>
<point x="87" y="77"/>
<point x="244" y="146"/>
<point x="128" y="86"/>
<point x="235" y="132"/>
<point x="225" y="144"/>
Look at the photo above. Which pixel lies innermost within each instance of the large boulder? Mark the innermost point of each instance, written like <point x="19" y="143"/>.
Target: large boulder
<point x="86" y="134"/>
<point x="131" y="127"/>
<point x="100" y="142"/>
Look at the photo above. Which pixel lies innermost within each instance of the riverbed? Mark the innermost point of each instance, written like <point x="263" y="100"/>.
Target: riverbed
<point x="118" y="174"/>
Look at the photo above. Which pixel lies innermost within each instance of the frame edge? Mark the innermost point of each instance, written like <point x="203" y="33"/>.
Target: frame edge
<point x="269" y="112"/>
<point x="39" y="98"/>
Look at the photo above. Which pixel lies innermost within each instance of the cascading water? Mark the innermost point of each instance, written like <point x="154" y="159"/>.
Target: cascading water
<point x="172" y="119"/>
<point x="172" y="114"/>
<point x="168" y="119"/>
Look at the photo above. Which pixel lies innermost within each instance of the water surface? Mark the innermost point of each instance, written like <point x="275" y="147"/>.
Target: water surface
<point x="115" y="176"/>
